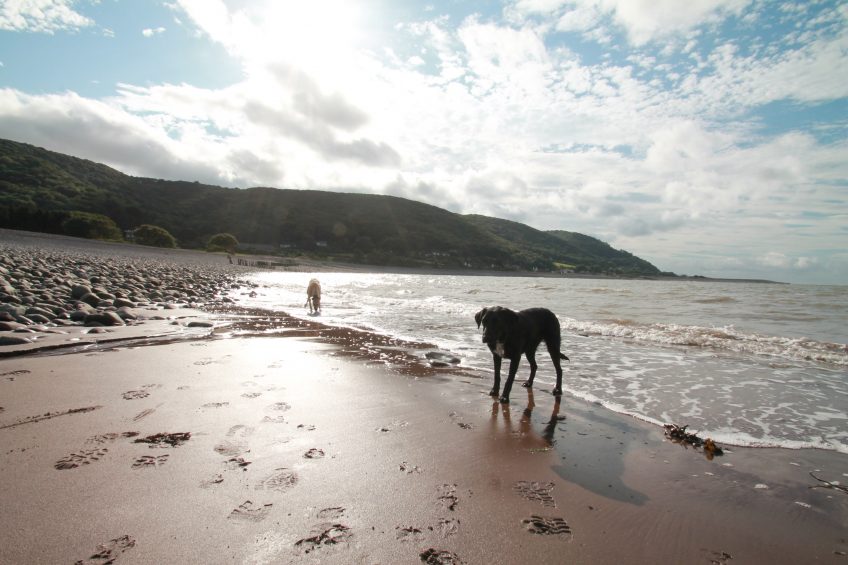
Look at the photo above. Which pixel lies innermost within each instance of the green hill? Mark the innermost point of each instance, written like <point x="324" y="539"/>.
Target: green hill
<point x="38" y="186"/>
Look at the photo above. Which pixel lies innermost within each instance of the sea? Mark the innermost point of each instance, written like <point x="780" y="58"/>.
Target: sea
<point x="747" y="364"/>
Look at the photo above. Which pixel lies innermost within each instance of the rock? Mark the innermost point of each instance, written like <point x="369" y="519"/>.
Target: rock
<point x="78" y="315"/>
<point x="90" y="298"/>
<point x="36" y="311"/>
<point x="39" y="319"/>
<point x="103" y="319"/>
<point x="126" y="314"/>
<point x="10" y="326"/>
<point x="78" y="291"/>
<point x="13" y="340"/>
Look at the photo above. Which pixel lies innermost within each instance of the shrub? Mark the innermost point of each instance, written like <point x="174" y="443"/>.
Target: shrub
<point x="222" y="242"/>
<point x="154" y="236"/>
<point x="91" y="226"/>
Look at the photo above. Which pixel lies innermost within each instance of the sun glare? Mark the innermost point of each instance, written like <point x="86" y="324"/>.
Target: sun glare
<point x="311" y="32"/>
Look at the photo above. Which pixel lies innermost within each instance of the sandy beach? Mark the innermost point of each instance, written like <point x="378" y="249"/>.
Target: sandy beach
<point x="201" y="433"/>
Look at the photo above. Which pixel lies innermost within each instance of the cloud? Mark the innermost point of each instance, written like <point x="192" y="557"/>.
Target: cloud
<point x="150" y="32"/>
<point x="41" y="16"/>
<point x="643" y="21"/>
<point x="71" y="124"/>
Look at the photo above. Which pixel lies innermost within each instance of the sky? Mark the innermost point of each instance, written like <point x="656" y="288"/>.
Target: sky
<point x="709" y="137"/>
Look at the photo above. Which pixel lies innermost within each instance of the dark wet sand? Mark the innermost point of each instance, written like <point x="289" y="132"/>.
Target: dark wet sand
<point x="289" y="449"/>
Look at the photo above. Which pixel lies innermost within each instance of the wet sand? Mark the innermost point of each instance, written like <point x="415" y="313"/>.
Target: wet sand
<point x="310" y="445"/>
<point x="235" y="436"/>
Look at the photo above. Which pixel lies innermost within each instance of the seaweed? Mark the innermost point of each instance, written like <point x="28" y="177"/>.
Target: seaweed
<point x="678" y="434"/>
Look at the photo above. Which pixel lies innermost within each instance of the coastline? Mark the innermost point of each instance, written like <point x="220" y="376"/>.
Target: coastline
<point x="305" y="264"/>
<point x="315" y="444"/>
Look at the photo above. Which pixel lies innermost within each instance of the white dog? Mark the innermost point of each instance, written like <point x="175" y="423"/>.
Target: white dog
<point x="313" y="296"/>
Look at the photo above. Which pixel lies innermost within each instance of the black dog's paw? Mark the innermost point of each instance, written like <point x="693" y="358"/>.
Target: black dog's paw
<point x="557" y="392"/>
<point x="494" y="392"/>
<point x="527" y="384"/>
<point x="504" y="400"/>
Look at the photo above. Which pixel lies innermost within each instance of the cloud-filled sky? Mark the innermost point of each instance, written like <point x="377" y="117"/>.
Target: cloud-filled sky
<point x="707" y="136"/>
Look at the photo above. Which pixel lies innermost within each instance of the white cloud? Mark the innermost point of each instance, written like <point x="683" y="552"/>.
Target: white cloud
<point x="150" y="32"/>
<point x="643" y="21"/>
<point x="41" y="16"/>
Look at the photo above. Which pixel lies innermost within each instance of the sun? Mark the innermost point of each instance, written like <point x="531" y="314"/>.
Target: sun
<point x="313" y="33"/>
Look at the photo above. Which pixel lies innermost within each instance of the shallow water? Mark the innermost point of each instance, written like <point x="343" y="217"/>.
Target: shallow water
<point x="744" y="363"/>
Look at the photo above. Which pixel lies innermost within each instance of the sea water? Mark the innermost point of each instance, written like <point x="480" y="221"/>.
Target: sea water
<point x="744" y="363"/>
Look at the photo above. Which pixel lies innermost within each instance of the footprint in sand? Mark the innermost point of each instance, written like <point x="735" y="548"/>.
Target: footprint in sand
<point x="216" y="479"/>
<point x="84" y="457"/>
<point x="409" y="469"/>
<point x="229" y="448"/>
<point x="447" y="496"/>
<point x="88" y="456"/>
<point x="108" y="552"/>
<point x="250" y="512"/>
<point x="135" y="394"/>
<point x="325" y="534"/>
<point x="110" y="437"/>
<point x="314" y="453"/>
<point x="240" y="430"/>
<point x="531" y="490"/>
<point x="440" y="557"/>
<point x="280" y="480"/>
<point x="149" y="461"/>
<point x="238" y="463"/>
<point x="548" y="526"/>
<point x="280" y="406"/>
<point x="448" y="527"/>
<point x="215" y="404"/>
<point x="251" y="394"/>
<point x="409" y="534"/>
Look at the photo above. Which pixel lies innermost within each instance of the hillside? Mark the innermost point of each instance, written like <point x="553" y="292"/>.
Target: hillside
<point x="38" y="186"/>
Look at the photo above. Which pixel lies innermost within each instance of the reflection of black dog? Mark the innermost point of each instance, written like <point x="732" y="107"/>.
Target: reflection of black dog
<point x="512" y="334"/>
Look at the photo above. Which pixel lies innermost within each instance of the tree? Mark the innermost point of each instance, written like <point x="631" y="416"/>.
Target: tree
<point x="154" y="236"/>
<point x="222" y="242"/>
<point x="91" y="226"/>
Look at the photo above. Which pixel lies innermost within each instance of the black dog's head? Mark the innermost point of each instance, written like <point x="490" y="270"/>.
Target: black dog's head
<point x="496" y="322"/>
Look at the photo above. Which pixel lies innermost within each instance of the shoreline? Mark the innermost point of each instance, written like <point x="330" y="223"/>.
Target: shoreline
<point x="305" y="264"/>
<point x="271" y="439"/>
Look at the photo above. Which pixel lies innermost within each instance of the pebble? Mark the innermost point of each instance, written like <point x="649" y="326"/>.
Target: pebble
<point x="66" y="284"/>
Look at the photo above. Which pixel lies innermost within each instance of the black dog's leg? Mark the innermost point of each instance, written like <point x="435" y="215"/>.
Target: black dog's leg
<point x="513" y="368"/>
<point x="555" y="357"/>
<point x="496" y="388"/>
<point x="531" y="358"/>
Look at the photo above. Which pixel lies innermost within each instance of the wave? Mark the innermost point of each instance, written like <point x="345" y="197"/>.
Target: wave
<point x="721" y="338"/>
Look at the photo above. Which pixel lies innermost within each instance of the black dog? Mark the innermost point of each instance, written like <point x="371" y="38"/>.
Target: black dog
<point x="512" y="334"/>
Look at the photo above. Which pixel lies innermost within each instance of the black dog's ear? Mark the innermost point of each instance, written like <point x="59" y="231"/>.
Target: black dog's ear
<point x="478" y="317"/>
